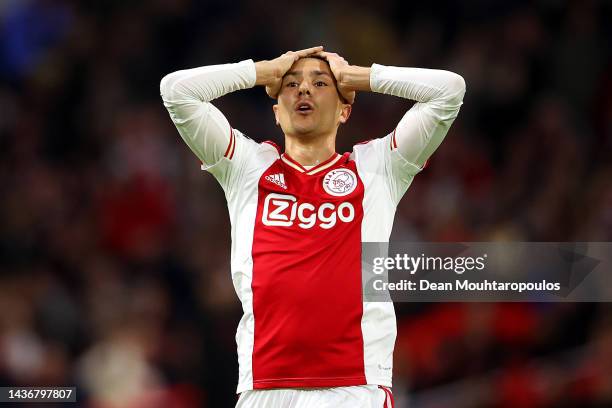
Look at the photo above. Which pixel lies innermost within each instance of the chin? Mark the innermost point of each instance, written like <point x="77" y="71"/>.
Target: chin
<point x="304" y="130"/>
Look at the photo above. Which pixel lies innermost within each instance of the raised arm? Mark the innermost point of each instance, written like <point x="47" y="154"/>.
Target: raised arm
<point x="187" y="95"/>
<point x="439" y="95"/>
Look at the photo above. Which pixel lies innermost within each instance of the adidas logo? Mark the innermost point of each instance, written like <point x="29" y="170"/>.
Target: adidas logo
<point x="278" y="179"/>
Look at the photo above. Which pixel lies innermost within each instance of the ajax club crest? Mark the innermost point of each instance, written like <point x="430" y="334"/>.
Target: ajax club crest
<point x="340" y="182"/>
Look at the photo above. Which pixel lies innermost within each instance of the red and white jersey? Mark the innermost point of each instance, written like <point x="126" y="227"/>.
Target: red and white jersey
<point x="297" y="232"/>
<point x="296" y="262"/>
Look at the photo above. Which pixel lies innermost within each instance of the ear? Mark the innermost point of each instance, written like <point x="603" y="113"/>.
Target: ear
<point x="345" y="112"/>
<point x="275" y="109"/>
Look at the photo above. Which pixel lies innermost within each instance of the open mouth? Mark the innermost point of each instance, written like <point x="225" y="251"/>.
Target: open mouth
<point x="304" y="108"/>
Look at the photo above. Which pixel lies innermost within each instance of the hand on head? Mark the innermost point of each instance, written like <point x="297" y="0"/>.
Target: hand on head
<point x="282" y="64"/>
<point x="338" y="66"/>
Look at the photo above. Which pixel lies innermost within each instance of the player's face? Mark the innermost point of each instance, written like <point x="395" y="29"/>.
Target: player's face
<point x="309" y="103"/>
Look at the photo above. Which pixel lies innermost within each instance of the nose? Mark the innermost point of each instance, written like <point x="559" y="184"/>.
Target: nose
<point x="304" y="88"/>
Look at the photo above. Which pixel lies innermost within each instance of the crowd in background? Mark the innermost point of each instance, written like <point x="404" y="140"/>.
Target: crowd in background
<point x="114" y="245"/>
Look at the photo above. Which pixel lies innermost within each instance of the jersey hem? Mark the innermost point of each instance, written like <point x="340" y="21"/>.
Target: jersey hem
<point x="312" y="383"/>
<point x="308" y="382"/>
<point x="385" y="382"/>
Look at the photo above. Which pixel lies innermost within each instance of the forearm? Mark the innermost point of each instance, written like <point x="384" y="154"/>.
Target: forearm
<point x="439" y="95"/>
<point x="208" y="82"/>
<point x="419" y="84"/>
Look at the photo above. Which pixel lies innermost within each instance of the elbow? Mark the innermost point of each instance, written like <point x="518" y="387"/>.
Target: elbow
<point x="166" y="87"/>
<point x="459" y="83"/>
<point x="456" y="87"/>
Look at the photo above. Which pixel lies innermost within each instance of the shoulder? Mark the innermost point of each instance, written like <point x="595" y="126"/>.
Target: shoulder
<point x="371" y="148"/>
<point x="247" y="145"/>
<point x="244" y="159"/>
<point x="266" y="144"/>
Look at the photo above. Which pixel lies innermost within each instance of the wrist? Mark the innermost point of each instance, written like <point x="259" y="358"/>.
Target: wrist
<point x="355" y="78"/>
<point x="266" y="72"/>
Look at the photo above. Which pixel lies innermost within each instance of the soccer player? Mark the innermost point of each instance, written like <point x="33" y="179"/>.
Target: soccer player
<point x="300" y="214"/>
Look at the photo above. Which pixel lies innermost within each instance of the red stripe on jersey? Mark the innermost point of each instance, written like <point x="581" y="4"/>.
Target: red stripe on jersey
<point x="306" y="283"/>
<point x="230" y="145"/>
<point x="326" y="164"/>
<point x="313" y="169"/>
<point x="233" y="146"/>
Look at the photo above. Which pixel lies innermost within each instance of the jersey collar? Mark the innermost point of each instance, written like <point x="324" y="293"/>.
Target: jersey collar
<point x="319" y="167"/>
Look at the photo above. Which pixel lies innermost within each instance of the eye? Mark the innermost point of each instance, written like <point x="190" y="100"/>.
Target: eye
<point x="291" y="84"/>
<point x="320" y="83"/>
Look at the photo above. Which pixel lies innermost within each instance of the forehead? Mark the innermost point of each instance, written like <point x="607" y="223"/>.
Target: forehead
<point x="309" y="66"/>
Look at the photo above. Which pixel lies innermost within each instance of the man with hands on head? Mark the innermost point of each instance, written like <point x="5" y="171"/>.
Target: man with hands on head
<point x="300" y="214"/>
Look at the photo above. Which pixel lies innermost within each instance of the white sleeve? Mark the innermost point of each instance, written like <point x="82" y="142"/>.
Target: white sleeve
<point x="187" y="94"/>
<point x="439" y="95"/>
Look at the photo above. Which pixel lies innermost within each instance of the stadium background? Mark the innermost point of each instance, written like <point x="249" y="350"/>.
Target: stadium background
<point x="114" y="247"/>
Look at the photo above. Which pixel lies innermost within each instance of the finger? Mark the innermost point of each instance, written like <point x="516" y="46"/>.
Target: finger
<point x="308" y="51"/>
<point x="335" y="56"/>
<point x="350" y="97"/>
<point x="330" y="54"/>
<point x="311" y="49"/>
<point x="273" y="90"/>
<point x="326" y="56"/>
<point x="271" y="93"/>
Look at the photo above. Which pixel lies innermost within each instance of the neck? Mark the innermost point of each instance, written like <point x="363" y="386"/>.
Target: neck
<point x="310" y="151"/>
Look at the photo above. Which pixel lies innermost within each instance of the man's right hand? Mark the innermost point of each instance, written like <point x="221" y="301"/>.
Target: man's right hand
<point x="270" y="73"/>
